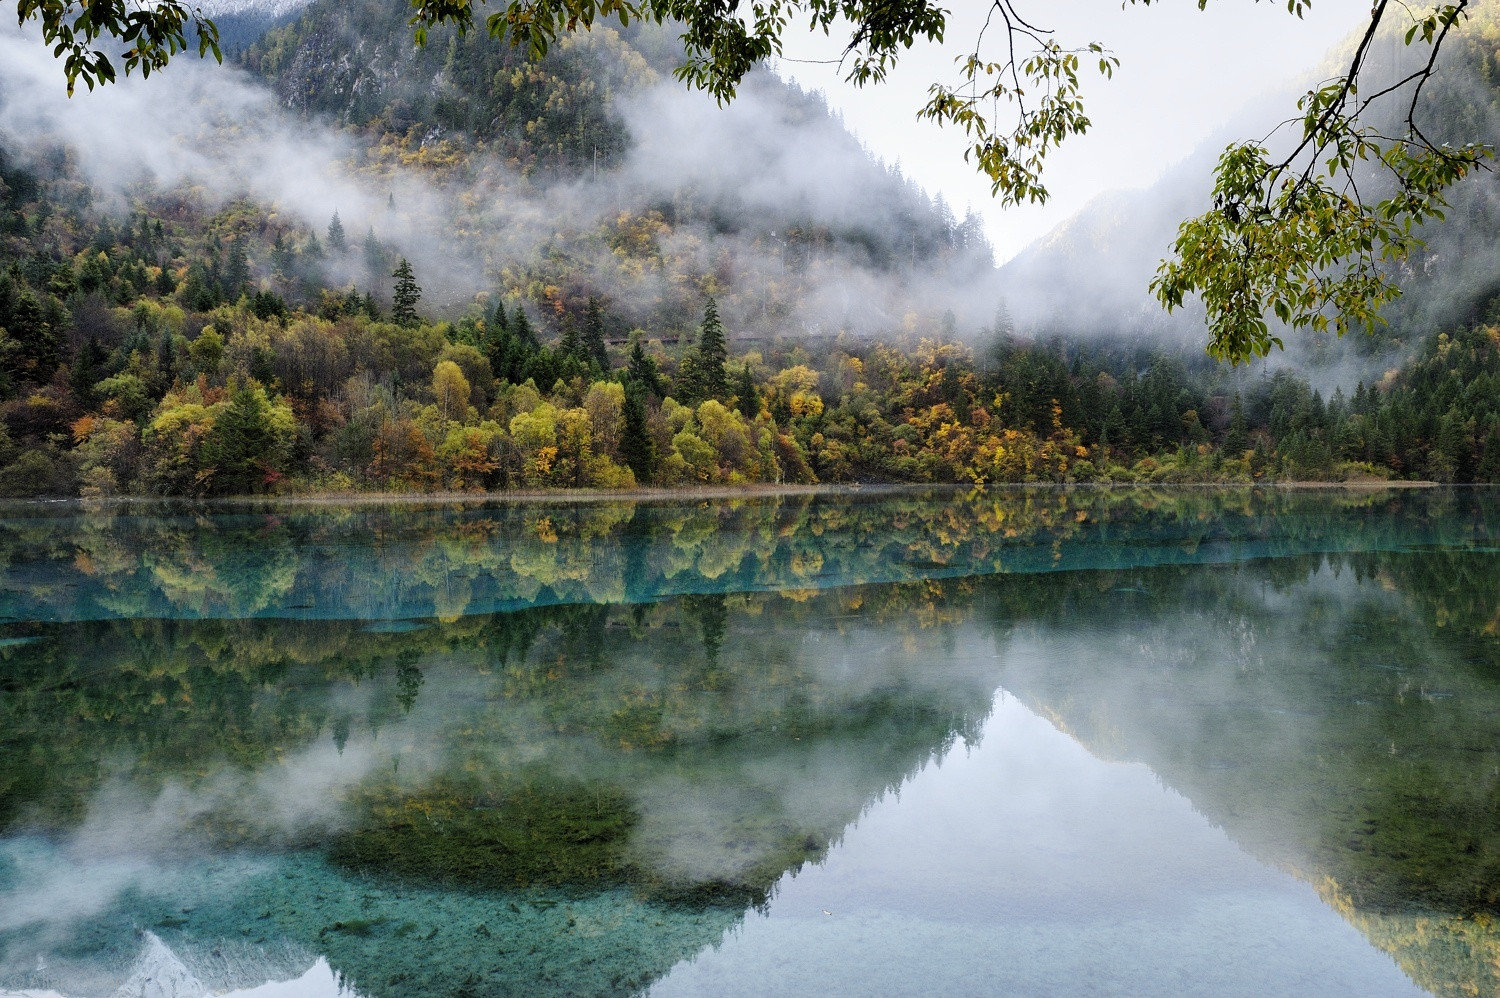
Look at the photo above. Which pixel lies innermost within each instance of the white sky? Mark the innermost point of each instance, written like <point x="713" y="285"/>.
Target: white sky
<point x="1182" y="72"/>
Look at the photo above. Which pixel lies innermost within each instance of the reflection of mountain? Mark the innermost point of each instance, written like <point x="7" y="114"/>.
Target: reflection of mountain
<point x="1338" y="717"/>
<point x="599" y="792"/>
<point x="584" y="794"/>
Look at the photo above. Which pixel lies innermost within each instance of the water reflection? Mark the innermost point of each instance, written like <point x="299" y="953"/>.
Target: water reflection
<point x="1031" y="867"/>
<point x="575" y="795"/>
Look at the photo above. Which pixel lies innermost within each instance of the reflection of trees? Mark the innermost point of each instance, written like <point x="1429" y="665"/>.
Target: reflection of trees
<point x="374" y="562"/>
<point x="1310" y="705"/>
<point x="1339" y="717"/>
<point x="580" y="749"/>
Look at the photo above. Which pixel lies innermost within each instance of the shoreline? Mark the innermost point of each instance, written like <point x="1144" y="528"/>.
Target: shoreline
<point x="706" y="493"/>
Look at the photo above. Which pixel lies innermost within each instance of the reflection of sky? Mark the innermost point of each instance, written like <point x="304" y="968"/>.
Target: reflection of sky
<point x="1027" y="866"/>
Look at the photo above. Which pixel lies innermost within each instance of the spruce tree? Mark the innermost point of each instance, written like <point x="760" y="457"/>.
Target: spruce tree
<point x="1237" y="441"/>
<point x="1489" y="462"/>
<point x="642" y="371"/>
<point x="593" y="334"/>
<point x="404" y="296"/>
<point x="239" y="447"/>
<point x="746" y="398"/>
<point x="520" y="328"/>
<point x="337" y="241"/>
<point x="281" y="257"/>
<point x="712" y="352"/>
<point x="236" y="271"/>
<point x="569" y="345"/>
<point x="637" y="447"/>
<point x="374" y="255"/>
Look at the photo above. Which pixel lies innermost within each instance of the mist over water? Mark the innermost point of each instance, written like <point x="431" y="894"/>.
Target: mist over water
<point x="1172" y="735"/>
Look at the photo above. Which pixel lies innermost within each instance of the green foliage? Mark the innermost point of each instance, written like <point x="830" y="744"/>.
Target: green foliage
<point x="246" y="446"/>
<point x="404" y="296"/>
<point x="154" y="33"/>
<point x="1306" y="250"/>
<point x="637" y="446"/>
<point x="338" y="242"/>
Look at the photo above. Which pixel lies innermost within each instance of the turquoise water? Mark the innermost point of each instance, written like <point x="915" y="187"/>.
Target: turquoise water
<point x="1031" y="742"/>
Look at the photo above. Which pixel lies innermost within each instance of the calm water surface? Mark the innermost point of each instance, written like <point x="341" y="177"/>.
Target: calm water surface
<point x="1032" y="742"/>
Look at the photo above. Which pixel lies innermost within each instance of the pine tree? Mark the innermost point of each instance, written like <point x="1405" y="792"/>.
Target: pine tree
<point x="238" y="448"/>
<point x="337" y="241"/>
<point x="712" y="352"/>
<point x="313" y="251"/>
<point x="642" y="371"/>
<point x="746" y="398"/>
<point x="593" y="334"/>
<point x="405" y="296"/>
<point x="637" y="447"/>
<point x="1237" y="440"/>
<point x="281" y="257"/>
<point x="236" y="271"/>
<point x="569" y="345"/>
<point x="520" y="328"/>
<point x="499" y="324"/>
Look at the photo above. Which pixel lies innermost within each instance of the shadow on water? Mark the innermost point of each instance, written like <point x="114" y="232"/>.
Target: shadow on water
<point x="558" y="749"/>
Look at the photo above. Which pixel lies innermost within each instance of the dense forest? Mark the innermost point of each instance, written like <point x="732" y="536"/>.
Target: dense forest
<point x="174" y="342"/>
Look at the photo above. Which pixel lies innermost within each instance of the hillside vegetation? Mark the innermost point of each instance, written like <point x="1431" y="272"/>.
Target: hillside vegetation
<point x="188" y="343"/>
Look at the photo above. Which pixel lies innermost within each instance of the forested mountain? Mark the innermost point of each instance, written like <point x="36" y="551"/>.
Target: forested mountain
<point x="375" y="266"/>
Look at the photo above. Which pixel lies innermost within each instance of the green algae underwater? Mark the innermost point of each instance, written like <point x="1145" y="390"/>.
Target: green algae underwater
<point x="599" y="748"/>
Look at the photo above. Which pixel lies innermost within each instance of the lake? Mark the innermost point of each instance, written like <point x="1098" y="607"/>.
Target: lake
<point x="1035" y="742"/>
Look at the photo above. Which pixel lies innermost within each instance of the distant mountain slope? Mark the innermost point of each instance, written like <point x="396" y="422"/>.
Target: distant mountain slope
<point x="242" y="22"/>
<point x="601" y="106"/>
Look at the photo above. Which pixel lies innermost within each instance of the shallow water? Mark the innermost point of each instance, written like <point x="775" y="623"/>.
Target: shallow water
<point x="1029" y="742"/>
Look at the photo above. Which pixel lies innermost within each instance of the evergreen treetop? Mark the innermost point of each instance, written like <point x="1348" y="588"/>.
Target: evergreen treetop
<point x="337" y="240"/>
<point x="404" y="296"/>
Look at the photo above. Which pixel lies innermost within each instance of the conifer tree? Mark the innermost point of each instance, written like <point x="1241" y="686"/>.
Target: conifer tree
<point x="637" y="447"/>
<point x="712" y="352"/>
<point x="520" y="328"/>
<point x="281" y="257"/>
<point x="499" y="324"/>
<point x="593" y="334"/>
<point x="313" y="251"/>
<point x="337" y="240"/>
<point x="569" y="345"/>
<point x="746" y="398"/>
<point x="236" y="270"/>
<point x="642" y="370"/>
<point x="237" y="448"/>
<point x="374" y="255"/>
<point x="404" y="296"/>
<point x="1489" y="462"/>
<point x="1237" y="441"/>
